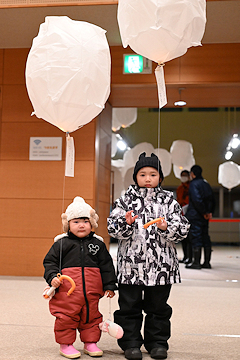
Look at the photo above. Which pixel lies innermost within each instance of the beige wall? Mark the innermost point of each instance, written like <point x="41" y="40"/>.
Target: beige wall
<point x="31" y="192"/>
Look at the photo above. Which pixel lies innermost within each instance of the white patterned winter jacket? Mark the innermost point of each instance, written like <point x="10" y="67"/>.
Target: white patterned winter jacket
<point x="147" y="256"/>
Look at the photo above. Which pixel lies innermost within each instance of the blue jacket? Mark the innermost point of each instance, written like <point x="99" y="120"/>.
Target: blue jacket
<point x="201" y="199"/>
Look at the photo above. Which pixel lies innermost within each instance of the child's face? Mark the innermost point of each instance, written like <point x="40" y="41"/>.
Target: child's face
<point x="80" y="227"/>
<point x="148" y="177"/>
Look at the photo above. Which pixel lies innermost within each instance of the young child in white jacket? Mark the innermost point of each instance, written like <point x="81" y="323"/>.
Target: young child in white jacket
<point x="147" y="259"/>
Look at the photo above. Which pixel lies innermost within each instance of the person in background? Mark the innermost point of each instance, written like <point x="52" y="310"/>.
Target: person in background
<point x="183" y="200"/>
<point x="199" y="212"/>
<point x="147" y="264"/>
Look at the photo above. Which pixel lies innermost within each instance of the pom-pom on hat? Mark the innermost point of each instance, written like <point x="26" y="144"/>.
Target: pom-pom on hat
<point x="144" y="161"/>
<point x="79" y="209"/>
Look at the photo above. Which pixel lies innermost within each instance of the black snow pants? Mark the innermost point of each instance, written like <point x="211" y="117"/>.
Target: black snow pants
<point x="152" y="300"/>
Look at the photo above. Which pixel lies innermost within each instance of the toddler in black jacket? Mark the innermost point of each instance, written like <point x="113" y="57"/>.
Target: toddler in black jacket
<point x="83" y="256"/>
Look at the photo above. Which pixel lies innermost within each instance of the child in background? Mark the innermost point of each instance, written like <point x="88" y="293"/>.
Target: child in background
<point x="147" y="263"/>
<point x="83" y="256"/>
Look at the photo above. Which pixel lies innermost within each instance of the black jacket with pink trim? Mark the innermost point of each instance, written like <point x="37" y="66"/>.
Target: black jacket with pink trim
<point x="74" y="252"/>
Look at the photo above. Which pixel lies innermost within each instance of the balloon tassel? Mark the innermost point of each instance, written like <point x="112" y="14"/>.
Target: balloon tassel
<point x="70" y="156"/>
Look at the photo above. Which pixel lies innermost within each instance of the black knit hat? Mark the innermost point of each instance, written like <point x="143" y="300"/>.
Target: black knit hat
<point x="144" y="161"/>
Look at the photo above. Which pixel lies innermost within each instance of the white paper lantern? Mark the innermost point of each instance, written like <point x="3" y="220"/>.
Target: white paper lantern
<point x="118" y="182"/>
<point x="229" y="174"/>
<point x="123" y="117"/>
<point x="117" y="163"/>
<point x="178" y="169"/>
<point x="181" y="151"/>
<point x="131" y="156"/>
<point x="161" y="30"/>
<point x="68" y="72"/>
<point x="165" y="159"/>
<point x="128" y="178"/>
<point x="114" y="145"/>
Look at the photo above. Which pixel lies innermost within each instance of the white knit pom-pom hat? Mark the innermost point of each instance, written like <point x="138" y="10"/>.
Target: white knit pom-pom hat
<point x="79" y="209"/>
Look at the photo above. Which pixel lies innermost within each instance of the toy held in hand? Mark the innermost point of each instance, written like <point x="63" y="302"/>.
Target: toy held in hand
<point x="51" y="291"/>
<point x="152" y="222"/>
<point x="112" y="328"/>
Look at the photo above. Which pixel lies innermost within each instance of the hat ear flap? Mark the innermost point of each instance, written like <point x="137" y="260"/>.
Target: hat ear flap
<point x="93" y="218"/>
<point x="65" y="222"/>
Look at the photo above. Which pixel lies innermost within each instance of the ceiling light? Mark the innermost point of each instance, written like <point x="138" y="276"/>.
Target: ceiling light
<point x="235" y="142"/>
<point x="121" y="145"/>
<point x="180" y="102"/>
<point x="228" y="155"/>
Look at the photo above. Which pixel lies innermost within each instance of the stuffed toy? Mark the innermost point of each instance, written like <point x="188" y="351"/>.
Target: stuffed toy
<point x="112" y="328"/>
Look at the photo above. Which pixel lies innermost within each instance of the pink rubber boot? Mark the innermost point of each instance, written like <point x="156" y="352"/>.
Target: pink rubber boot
<point x="69" y="351"/>
<point x="92" y="349"/>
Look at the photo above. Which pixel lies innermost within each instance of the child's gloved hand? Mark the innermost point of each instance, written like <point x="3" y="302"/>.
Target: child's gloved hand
<point x="46" y="291"/>
<point x="129" y="218"/>
<point x="162" y="224"/>
<point x="109" y="293"/>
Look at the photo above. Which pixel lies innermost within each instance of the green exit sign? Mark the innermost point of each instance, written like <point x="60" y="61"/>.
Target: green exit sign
<point x="136" y="64"/>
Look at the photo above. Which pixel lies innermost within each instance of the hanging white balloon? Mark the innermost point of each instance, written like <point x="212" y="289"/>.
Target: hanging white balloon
<point x="68" y="72"/>
<point x="165" y="159"/>
<point x="161" y="30"/>
<point x="229" y="174"/>
<point x="123" y="117"/>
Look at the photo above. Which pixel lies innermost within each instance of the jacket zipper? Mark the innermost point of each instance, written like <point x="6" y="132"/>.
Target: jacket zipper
<point x="83" y="282"/>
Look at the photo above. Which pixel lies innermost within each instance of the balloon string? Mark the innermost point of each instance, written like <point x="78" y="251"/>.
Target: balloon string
<point x="63" y="193"/>
<point x="159" y="129"/>
<point x="64" y="177"/>
<point x="110" y="310"/>
<point x="159" y="123"/>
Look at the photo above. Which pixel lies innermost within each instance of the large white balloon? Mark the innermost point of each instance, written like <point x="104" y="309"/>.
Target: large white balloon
<point x="68" y="72"/>
<point x="229" y="174"/>
<point x="161" y="30"/>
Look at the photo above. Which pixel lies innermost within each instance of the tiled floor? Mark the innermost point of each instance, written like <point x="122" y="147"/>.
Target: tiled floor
<point x="205" y="321"/>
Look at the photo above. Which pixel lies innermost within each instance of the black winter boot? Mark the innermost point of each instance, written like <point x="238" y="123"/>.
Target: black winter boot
<point x="207" y="258"/>
<point x="159" y="353"/>
<point x="184" y="248"/>
<point x="189" y="254"/>
<point x="133" y="354"/>
<point x="197" y="256"/>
